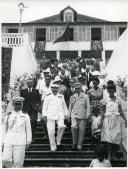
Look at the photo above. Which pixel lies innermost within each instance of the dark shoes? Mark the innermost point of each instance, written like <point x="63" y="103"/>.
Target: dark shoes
<point x="74" y="148"/>
<point x="59" y="147"/>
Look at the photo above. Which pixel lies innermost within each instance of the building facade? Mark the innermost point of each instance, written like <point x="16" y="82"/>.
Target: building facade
<point x="83" y="31"/>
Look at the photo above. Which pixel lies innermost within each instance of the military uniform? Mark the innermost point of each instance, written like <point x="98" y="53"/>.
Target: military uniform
<point x="55" y="109"/>
<point x="16" y="133"/>
<point x="79" y="110"/>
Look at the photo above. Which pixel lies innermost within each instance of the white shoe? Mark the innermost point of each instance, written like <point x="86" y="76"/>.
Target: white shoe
<point x="53" y="148"/>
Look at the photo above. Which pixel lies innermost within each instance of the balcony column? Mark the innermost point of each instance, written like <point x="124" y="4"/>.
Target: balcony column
<point x="102" y="63"/>
<point x="79" y="53"/>
<point x="103" y="56"/>
<point x="58" y="55"/>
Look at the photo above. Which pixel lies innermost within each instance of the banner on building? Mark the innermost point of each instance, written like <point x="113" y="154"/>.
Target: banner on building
<point x="96" y="45"/>
<point x="39" y="48"/>
<point x="64" y="37"/>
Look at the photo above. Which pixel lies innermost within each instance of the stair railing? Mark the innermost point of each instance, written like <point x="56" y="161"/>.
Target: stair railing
<point x="12" y="39"/>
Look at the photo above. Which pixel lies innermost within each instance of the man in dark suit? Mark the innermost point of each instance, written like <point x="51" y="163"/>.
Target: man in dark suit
<point x="35" y="80"/>
<point x="70" y="91"/>
<point x="31" y="103"/>
<point x="89" y="77"/>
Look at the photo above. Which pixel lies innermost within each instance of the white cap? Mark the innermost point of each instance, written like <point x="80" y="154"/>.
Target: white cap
<point x="57" y="79"/>
<point x="46" y="71"/>
<point x="55" y="86"/>
<point x="18" y="99"/>
<point x="95" y="73"/>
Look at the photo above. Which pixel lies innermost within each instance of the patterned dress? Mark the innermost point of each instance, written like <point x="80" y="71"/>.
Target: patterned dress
<point x="95" y="97"/>
<point x="112" y="123"/>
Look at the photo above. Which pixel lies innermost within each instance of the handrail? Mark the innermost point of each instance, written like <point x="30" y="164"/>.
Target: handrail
<point x="15" y="40"/>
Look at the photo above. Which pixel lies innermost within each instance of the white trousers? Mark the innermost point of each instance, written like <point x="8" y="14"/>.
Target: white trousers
<point x="51" y="132"/>
<point x="13" y="156"/>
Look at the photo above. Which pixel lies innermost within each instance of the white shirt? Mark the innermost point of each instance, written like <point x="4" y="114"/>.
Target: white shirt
<point x="96" y="163"/>
<point x="45" y="91"/>
<point x="40" y="84"/>
<point x="54" y="107"/>
<point x="16" y="129"/>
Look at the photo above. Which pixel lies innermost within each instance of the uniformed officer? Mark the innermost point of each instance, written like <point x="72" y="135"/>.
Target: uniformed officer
<point x="55" y="110"/>
<point x="16" y="135"/>
<point x="79" y="110"/>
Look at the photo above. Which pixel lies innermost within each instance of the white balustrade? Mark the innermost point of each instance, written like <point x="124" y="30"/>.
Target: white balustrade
<point x="13" y="39"/>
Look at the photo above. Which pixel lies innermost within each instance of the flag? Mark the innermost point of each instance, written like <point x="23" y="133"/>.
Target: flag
<point x="64" y="36"/>
<point x="96" y="45"/>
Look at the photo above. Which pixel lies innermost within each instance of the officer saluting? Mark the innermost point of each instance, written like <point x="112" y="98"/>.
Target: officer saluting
<point x="55" y="110"/>
<point x="16" y="135"/>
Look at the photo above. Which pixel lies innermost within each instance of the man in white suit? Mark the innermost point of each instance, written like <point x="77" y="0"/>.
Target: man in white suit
<point x="55" y="110"/>
<point x="16" y="135"/>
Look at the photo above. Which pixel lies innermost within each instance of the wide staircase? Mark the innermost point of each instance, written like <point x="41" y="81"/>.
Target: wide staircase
<point x="39" y="154"/>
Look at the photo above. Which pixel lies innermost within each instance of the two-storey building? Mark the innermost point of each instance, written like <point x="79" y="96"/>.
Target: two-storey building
<point x="83" y="31"/>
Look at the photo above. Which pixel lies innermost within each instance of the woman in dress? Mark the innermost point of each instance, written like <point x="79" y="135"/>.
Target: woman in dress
<point x="95" y="94"/>
<point x="111" y="120"/>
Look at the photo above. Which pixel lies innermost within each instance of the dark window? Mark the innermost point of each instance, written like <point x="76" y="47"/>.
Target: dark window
<point x="71" y="34"/>
<point x="12" y="30"/>
<point x="68" y="55"/>
<point x="41" y="34"/>
<point x="95" y="33"/>
<point x="121" y="30"/>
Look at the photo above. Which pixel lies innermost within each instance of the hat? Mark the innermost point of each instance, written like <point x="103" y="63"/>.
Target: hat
<point x="95" y="73"/>
<point x="18" y="99"/>
<point x="46" y="71"/>
<point x="55" y="86"/>
<point x="78" y="85"/>
<point x="57" y="79"/>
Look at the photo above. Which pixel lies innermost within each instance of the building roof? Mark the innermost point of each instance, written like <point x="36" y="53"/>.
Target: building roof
<point x="57" y="18"/>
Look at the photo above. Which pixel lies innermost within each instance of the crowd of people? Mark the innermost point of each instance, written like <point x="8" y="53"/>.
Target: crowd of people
<point x="72" y="93"/>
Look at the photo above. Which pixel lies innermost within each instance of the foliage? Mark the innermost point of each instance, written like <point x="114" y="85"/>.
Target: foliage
<point x="122" y="84"/>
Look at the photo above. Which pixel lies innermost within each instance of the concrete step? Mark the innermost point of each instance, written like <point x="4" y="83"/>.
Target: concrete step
<point x="60" y="154"/>
<point x="66" y="162"/>
<point x="40" y="128"/>
<point x="46" y="147"/>
<point x="64" y="140"/>
<point x="40" y="134"/>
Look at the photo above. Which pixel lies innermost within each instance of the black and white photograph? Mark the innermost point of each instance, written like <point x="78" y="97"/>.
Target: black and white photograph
<point x="64" y="78"/>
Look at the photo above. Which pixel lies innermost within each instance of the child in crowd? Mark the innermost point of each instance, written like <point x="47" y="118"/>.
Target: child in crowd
<point x="101" y="160"/>
<point x="95" y="122"/>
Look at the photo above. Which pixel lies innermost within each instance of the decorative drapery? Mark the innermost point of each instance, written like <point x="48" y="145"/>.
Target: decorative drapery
<point x="96" y="45"/>
<point x="39" y="48"/>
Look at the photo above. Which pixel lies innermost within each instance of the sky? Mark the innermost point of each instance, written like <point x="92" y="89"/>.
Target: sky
<point x="111" y="10"/>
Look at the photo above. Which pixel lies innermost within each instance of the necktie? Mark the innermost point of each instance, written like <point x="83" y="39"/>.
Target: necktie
<point x="29" y="90"/>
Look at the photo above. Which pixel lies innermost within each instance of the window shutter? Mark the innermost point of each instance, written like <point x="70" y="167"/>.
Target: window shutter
<point x="48" y="34"/>
<point x="102" y="33"/>
<point x="88" y="30"/>
<point x="76" y="33"/>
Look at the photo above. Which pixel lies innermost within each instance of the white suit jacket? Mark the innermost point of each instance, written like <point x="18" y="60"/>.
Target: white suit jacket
<point x="54" y="107"/>
<point x="16" y="129"/>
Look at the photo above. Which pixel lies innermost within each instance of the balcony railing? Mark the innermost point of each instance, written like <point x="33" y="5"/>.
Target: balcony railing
<point x="13" y="39"/>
